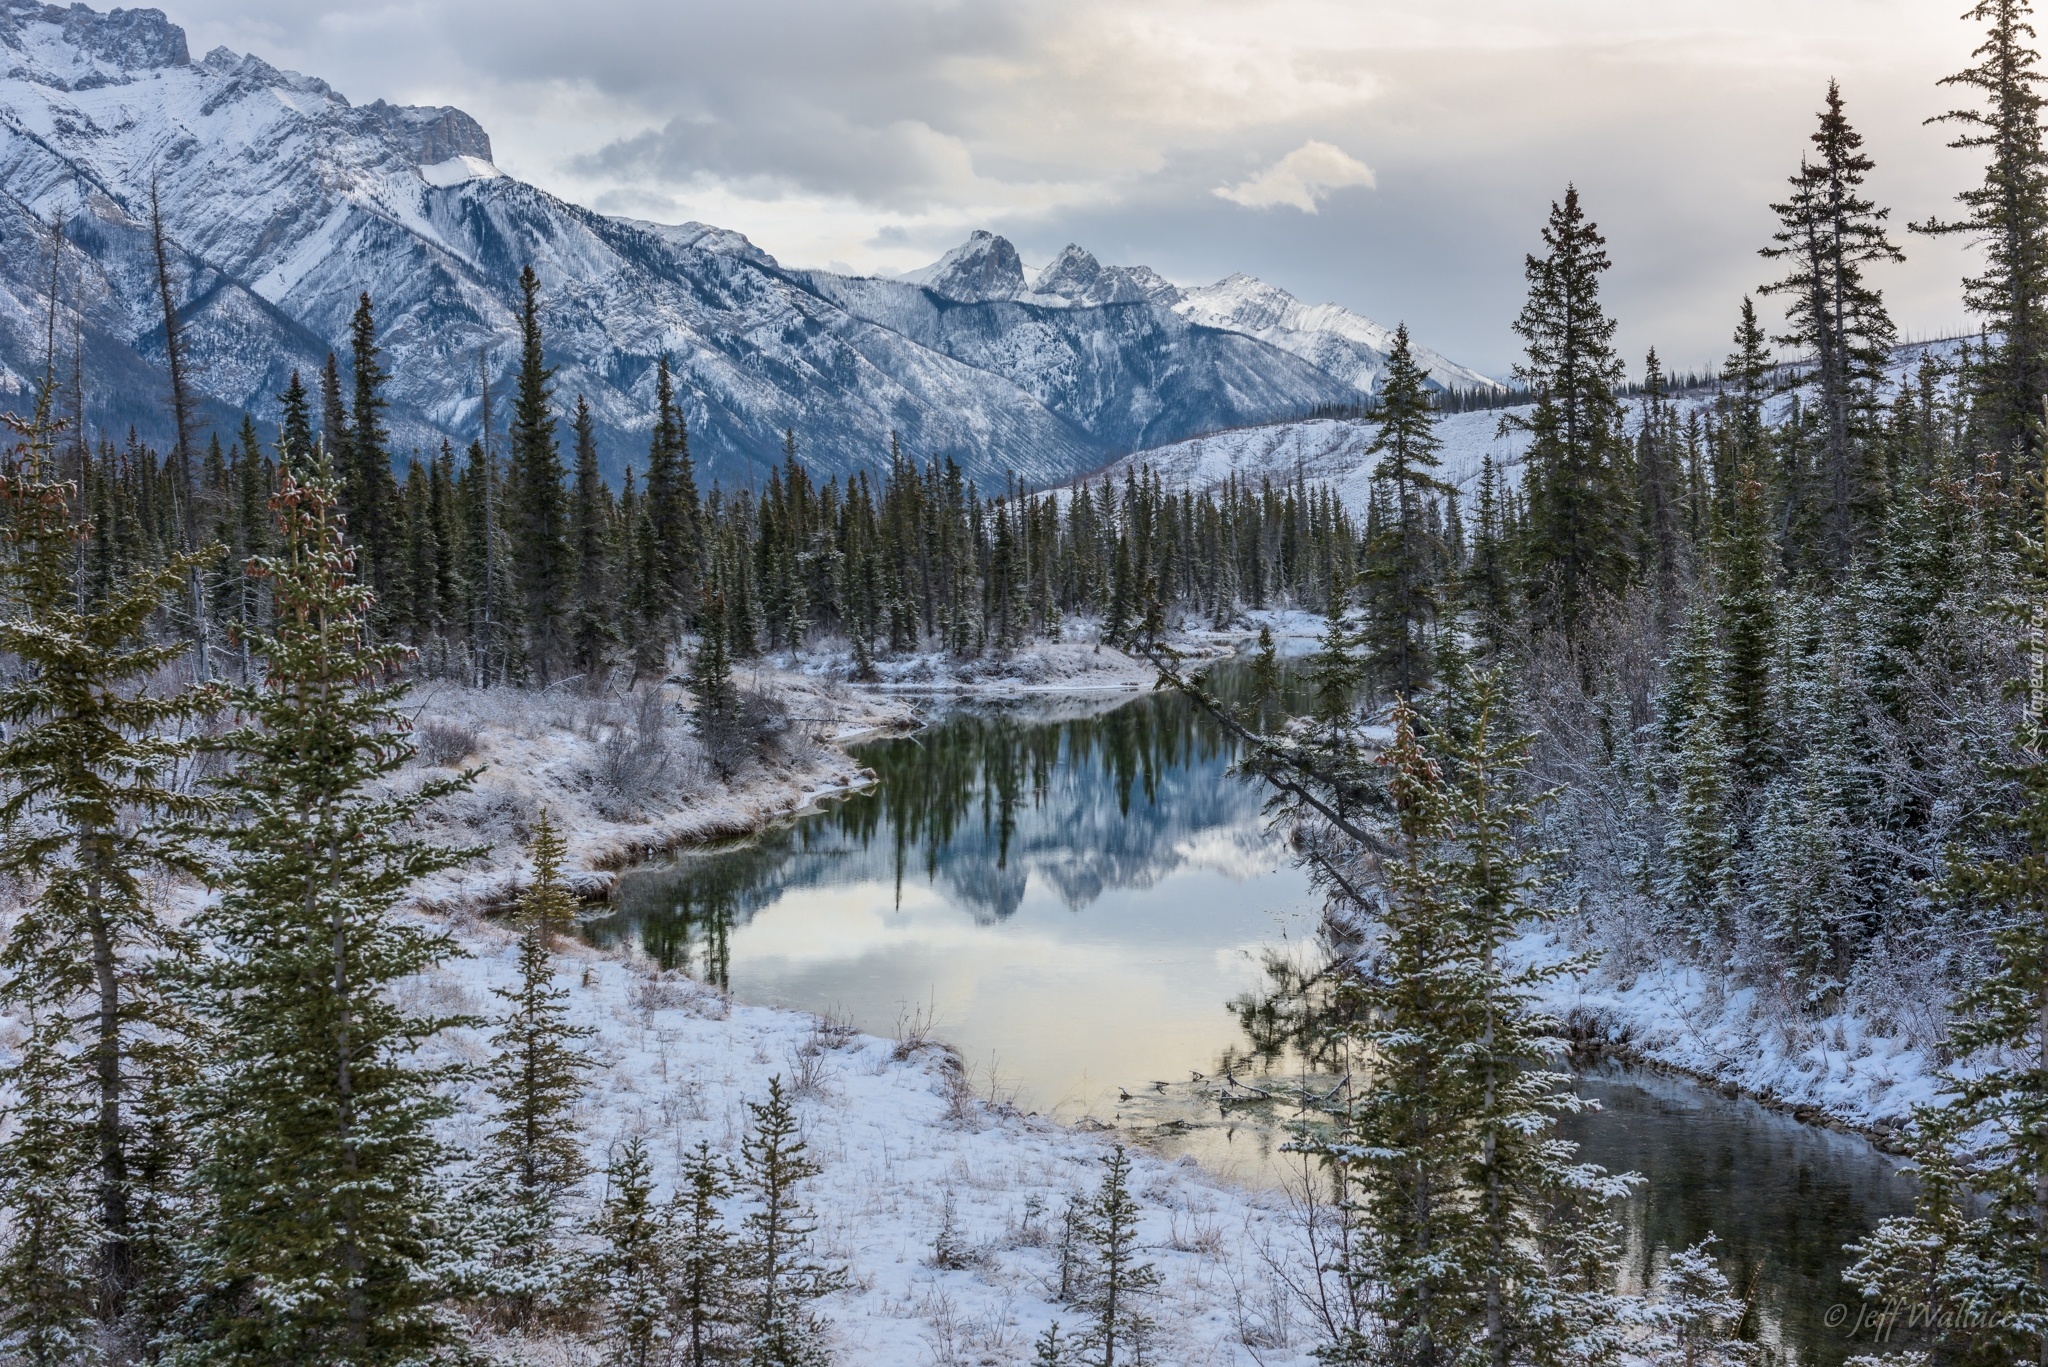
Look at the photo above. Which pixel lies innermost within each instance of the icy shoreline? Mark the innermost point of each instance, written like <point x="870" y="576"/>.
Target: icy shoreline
<point x="1842" y="1071"/>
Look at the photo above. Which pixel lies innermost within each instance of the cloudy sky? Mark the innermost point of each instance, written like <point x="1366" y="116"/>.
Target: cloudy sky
<point x="1395" y="158"/>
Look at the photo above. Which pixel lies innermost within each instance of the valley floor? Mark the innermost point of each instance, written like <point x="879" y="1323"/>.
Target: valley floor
<point x="912" y="1156"/>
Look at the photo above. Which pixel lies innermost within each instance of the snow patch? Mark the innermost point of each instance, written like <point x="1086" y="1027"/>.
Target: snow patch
<point x="458" y="171"/>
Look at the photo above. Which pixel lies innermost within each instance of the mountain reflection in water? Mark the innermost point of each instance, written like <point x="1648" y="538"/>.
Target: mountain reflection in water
<point x="1076" y="890"/>
<point x="1107" y="794"/>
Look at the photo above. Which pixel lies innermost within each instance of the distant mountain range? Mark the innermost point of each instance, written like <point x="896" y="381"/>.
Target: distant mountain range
<point x="283" y="202"/>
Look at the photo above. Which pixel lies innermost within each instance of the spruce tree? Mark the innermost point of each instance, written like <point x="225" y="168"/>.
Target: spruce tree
<point x="1404" y="579"/>
<point x="320" y="1238"/>
<point x="1487" y="585"/>
<point x="593" y="627"/>
<point x="702" y="1290"/>
<point x="534" y="1159"/>
<point x="629" y="1271"/>
<point x="2007" y="215"/>
<point x="295" y="426"/>
<point x="1119" y="1284"/>
<point x="1580" y="504"/>
<point x="714" y="717"/>
<point x="1334" y="673"/>
<point x="1697" y="874"/>
<point x="1829" y="235"/>
<point x="781" y="1276"/>
<point x="334" y="433"/>
<point x="1265" y="670"/>
<point x="1052" y="1348"/>
<point x="1972" y="1262"/>
<point x="1746" y="606"/>
<point x="51" y="1260"/>
<point x="539" y="523"/>
<point x="1483" y="1240"/>
<point x="1659" y="495"/>
<point x="1695" y="1317"/>
<point x="369" y="494"/>
<point x="92" y="813"/>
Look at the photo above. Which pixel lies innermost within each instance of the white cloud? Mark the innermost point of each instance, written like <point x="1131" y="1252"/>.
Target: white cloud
<point x="1301" y="179"/>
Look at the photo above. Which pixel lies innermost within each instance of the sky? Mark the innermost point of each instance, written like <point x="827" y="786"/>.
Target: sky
<point x="1398" y="159"/>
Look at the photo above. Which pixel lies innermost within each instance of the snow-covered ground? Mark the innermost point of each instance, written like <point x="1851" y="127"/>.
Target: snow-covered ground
<point x="620" y="774"/>
<point x="1846" y="1068"/>
<point x="908" y="1150"/>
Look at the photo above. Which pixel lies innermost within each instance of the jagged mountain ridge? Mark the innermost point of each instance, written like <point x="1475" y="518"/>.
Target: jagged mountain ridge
<point x="283" y="202"/>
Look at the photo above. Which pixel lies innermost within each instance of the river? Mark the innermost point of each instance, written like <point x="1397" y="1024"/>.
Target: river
<point x="1080" y="897"/>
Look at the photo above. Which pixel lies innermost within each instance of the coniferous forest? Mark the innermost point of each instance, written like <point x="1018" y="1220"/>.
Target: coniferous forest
<point x="1747" y="672"/>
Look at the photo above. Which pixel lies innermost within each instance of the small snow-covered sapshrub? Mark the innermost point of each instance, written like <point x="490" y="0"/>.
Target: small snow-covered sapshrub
<point x="1897" y="991"/>
<point x="756" y="730"/>
<point x="634" y="755"/>
<point x="951" y="1250"/>
<point x="445" y="741"/>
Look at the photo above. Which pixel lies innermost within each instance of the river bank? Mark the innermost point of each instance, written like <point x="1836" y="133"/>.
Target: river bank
<point x="940" y="1199"/>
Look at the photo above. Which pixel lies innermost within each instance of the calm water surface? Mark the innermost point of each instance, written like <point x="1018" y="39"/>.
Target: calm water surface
<point x="1075" y="892"/>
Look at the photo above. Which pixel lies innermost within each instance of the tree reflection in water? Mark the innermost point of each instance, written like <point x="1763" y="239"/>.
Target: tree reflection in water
<point x="1084" y="796"/>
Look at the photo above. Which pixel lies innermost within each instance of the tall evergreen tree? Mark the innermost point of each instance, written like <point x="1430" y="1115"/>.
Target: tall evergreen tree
<point x="369" y="492"/>
<point x="540" y="524"/>
<point x="295" y="426"/>
<point x="702" y="1290"/>
<point x="320" y="1239"/>
<point x="630" y="1268"/>
<point x="1697" y="881"/>
<point x="535" y="1156"/>
<point x="593" y="627"/>
<point x="1404" y="575"/>
<point x="2007" y="215"/>
<point x="92" y="813"/>
<point x="1747" y="607"/>
<point x="1829" y="235"/>
<point x="1659" y="493"/>
<point x="782" y="1277"/>
<point x="1580" y="503"/>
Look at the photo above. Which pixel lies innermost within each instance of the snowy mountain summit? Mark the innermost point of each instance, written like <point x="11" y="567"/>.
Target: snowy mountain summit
<point x="284" y="203"/>
<point x="1348" y="346"/>
<point x="981" y="268"/>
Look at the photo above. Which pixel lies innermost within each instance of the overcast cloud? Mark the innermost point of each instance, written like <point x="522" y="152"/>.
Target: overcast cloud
<point x="1396" y="158"/>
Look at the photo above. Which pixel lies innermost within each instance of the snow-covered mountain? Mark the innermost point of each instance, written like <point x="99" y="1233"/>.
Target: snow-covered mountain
<point x="283" y="202"/>
<point x="1347" y="345"/>
<point x="1333" y="451"/>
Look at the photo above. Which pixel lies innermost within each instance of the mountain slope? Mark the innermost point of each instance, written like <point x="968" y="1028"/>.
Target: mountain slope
<point x="284" y="202"/>
<point x="1347" y="345"/>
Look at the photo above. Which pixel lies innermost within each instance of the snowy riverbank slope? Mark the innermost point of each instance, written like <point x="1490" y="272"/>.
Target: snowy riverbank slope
<point x="1851" y="1067"/>
<point x="620" y="774"/>
<point x="909" y="1153"/>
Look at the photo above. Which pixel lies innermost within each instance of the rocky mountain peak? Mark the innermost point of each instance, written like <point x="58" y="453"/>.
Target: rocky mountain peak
<point x="983" y="267"/>
<point x="436" y="133"/>
<point x="1070" y="274"/>
<point x="1077" y="277"/>
<point x="81" y="48"/>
